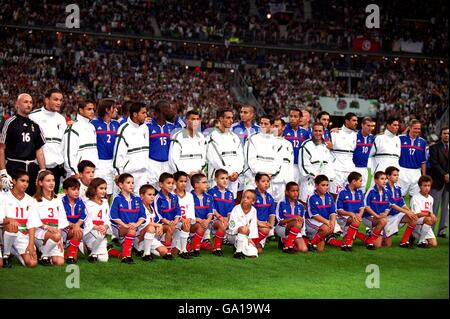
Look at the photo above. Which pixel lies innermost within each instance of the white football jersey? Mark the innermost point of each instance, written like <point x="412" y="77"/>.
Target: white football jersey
<point x="187" y="206"/>
<point x="22" y="210"/>
<point x="52" y="213"/>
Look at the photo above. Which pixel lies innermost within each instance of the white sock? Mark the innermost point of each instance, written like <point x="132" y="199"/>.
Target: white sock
<point x="8" y="242"/>
<point x="424" y="232"/>
<point x="148" y="239"/>
<point x="207" y="234"/>
<point x="47" y="248"/>
<point x="240" y="242"/>
<point x="183" y="240"/>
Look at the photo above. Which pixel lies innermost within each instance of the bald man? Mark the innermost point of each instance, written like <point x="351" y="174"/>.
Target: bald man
<point x="21" y="143"/>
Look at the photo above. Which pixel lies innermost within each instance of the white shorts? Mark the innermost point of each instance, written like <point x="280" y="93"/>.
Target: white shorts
<point x="306" y="188"/>
<point x="367" y="221"/>
<point x="156" y="243"/>
<point x="281" y="231"/>
<point x="364" y="171"/>
<point x="243" y="181"/>
<point x="278" y="191"/>
<point x="155" y="169"/>
<point x="105" y="170"/>
<point x="312" y="227"/>
<point x="20" y="243"/>
<point x="417" y="232"/>
<point x="247" y="250"/>
<point x="392" y="225"/>
<point x="339" y="181"/>
<point x="297" y="176"/>
<point x="408" y="179"/>
<point x="91" y="237"/>
<point x="380" y="164"/>
<point x="248" y="180"/>
<point x="39" y="236"/>
<point x="342" y="222"/>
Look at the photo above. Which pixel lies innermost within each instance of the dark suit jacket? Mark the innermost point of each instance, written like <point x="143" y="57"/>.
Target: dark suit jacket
<point x="439" y="164"/>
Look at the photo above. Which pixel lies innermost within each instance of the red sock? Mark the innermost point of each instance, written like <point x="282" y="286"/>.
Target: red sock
<point x="73" y="248"/>
<point x="126" y="247"/>
<point x="360" y="236"/>
<point x="260" y="237"/>
<point x="373" y="238"/>
<point x="335" y="242"/>
<point x="293" y="232"/>
<point x="114" y="253"/>
<point x="197" y="241"/>
<point x="352" y="230"/>
<point x="408" y="233"/>
<point x="168" y="245"/>
<point x="317" y="239"/>
<point x="218" y="239"/>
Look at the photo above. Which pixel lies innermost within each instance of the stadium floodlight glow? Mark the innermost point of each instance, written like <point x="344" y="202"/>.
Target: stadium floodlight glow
<point x="269" y="16"/>
<point x="441" y="62"/>
<point x="341" y="55"/>
<point x="187" y="67"/>
<point x="232" y="70"/>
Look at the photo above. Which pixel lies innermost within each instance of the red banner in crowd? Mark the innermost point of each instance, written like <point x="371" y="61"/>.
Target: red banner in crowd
<point x="364" y="44"/>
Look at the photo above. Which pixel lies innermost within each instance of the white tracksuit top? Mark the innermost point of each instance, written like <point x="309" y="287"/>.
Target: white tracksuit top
<point x="80" y="143"/>
<point x="187" y="154"/>
<point x="344" y="144"/>
<point x="260" y="153"/>
<point x="385" y="151"/>
<point x="53" y="126"/>
<point x="224" y="150"/>
<point x="286" y="154"/>
<point x="316" y="160"/>
<point x="131" y="148"/>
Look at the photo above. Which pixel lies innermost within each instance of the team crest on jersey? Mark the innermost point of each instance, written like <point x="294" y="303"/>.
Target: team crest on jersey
<point x="232" y="224"/>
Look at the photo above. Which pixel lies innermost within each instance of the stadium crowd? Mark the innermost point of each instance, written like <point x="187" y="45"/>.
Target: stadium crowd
<point x="144" y="70"/>
<point x="327" y="24"/>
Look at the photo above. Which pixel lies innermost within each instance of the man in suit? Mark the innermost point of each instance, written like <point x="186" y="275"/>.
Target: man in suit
<point x="439" y="173"/>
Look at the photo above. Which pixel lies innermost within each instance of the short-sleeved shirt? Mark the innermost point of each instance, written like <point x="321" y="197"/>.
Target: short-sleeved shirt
<point x="324" y="207"/>
<point x="223" y="202"/>
<point x="76" y="212"/>
<point x="22" y="138"/>
<point x="395" y="197"/>
<point x="106" y="137"/>
<point x="285" y="210"/>
<point x="413" y="152"/>
<point x="167" y="208"/>
<point x="265" y="206"/>
<point x="350" y="201"/>
<point x="362" y="151"/>
<point x="127" y="211"/>
<point x="203" y="207"/>
<point x="297" y="138"/>
<point x="378" y="203"/>
<point x="159" y="137"/>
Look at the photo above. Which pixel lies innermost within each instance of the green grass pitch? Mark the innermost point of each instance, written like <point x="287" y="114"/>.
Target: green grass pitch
<point x="404" y="273"/>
